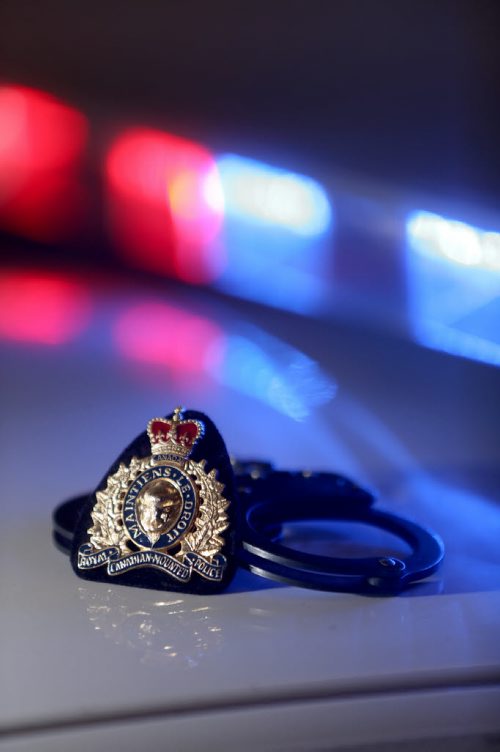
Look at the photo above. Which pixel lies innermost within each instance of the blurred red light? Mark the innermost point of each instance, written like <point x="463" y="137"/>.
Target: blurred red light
<point x="165" y="204"/>
<point x="41" y="142"/>
<point x="164" y="335"/>
<point x="47" y="309"/>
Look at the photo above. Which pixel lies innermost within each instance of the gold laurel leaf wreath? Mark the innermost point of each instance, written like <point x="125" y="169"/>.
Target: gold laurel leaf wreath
<point x="108" y="529"/>
<point x="205" y="538"/>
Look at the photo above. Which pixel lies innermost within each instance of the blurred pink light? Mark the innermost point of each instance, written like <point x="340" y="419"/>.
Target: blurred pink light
<point x="47" y="309"/>
<point x="41" y="143"/>
<point x="165" y="204"/>
<point x="165" y="335"/>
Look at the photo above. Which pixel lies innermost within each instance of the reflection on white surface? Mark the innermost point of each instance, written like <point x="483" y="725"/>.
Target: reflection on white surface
<point x="54" y="309"/>
<point x="43" y="308"/>
<point x="455" y="342"/>
<point x="274" y="267"/>
<point x="454" y="286"/>
<point x="157" y="333"/>
<point x="263" y="367"/>
<point x="242" y="357"/>
<point x="160" y="629"/>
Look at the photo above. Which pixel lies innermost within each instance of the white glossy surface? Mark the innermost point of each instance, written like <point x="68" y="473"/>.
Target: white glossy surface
<point x="462" y="720"/>
<point x="419" y="426"/>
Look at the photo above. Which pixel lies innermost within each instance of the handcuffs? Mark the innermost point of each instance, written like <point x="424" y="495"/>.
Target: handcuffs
<point x="274" y="498"/>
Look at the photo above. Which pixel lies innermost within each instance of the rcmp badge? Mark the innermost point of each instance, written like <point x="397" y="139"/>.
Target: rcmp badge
<point x="163" y="511"/>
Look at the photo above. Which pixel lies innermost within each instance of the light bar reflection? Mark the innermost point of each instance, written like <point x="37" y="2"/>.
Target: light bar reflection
<point x="168" y="336"/>
<point x="264" y="367"/>
<point x="245" y="358"/>
<point x="42" y="308"/>
<point x="257" y="192"/>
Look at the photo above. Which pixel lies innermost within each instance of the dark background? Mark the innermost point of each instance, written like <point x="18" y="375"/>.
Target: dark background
<point x="406" y="92"/>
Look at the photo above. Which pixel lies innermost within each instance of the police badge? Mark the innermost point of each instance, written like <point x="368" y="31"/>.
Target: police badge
<point x="163" y="519"/>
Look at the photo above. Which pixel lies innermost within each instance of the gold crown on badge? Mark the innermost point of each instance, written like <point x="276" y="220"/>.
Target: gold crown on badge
<point x="173" y="435"/>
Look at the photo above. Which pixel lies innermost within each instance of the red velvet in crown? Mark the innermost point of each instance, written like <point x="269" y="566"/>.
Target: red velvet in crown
<point x="173" y="436"/>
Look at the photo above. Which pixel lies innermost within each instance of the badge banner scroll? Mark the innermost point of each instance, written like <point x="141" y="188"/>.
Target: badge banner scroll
<point x="180" y="570"/>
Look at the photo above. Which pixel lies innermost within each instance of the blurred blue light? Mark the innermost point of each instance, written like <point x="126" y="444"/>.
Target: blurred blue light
<point x="268" y="270"/>
<point x="453" y="241"/>
<point x="454" y="285"/>
<point x="257" y="192"/>
<point x="267" y="369"/>
<point x="451" y="340"/>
